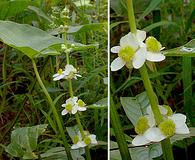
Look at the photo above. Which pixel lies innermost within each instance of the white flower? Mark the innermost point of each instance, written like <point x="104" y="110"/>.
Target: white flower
<point x="87" y="140"/>
<point x="70" y="72"/>
<point x="143" y="124"/>
<point x="130" y="52"/>
<point x="149" y="132"/>
<point x="59" y="75"/>
<point x="154" y="49"/>
<point x="70" y="106"/>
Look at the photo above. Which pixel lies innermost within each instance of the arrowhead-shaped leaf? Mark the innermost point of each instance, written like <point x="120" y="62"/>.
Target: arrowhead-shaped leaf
<point x="30" y="40"/>
<point x="135" y="106"/>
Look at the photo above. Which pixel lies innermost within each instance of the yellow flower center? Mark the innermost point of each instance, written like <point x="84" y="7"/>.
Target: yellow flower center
<point x="69" y="107"/>
<point x="153" y="45"/>
<point x="81" y="103"/>
<point x="142" y="125"/>
<point x="60" y="71"/>
<point x="167" y="127"/>
<point x="87" y="140"/>
<point x="75" y="139"/>
<point x="169" y="110"/>
<point x="126" y="53"/>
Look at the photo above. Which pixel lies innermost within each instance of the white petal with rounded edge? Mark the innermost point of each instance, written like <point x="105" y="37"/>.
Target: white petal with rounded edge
<point x="115" y="49"/>
<point x="179" y="119"/>
<point x="75" y="146"/>
<point x="93" y="138"/>
<point x="74" y="99"/>
<point x="55" y="75"/>
<point x="140" y="140"/>
<point x="64" y="112"/>
<point x="74" y="110"/>
<point x="82" y="144"/>
<point x="117" y="64"/>
<point x="139" y="58"/>
<point x="82" y="108"/>
<point x="141" y="35"/>
<point x="155" y="57"/>
<point x="182" y="129"/>
<point x="129" y="40"/>
<point x="154" y="134"/>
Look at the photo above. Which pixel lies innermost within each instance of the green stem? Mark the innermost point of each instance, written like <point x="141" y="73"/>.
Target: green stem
<point x="151" y="95"/>
<point x="57" y="118"/>
<point x="116" y="125"/>
<point x="131" y="16"/>
<point x="87" y="151"/>
<point x="166" y="145"/>
<point x="3" y="101"/>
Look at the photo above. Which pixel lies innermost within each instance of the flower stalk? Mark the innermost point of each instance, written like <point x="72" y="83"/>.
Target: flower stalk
<point x="166" y="145"/>
<point x="87" y="151"/>
<point x="57" y="118"/>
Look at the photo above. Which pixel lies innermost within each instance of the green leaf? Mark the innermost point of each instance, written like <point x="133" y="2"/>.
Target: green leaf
<point x="39" y="12"/>
<point x="134" y="107"/>
<point x="24" y="141"/>
<point x="11" y="8"/>
<point x="146" y="153"/>
<point x="187" y="50"/>
<point x="30" y="40"/>
<point x="86" y="28"/>
<point x="138" y="153"/>
<point x="157" y="24"/>
<point x="58" y="153"/>
<point x="153" y="4"/>
<point x="103" y="103"/>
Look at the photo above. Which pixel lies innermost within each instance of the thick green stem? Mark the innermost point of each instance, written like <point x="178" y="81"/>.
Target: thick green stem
<point x="166" y="145"/>
<point x="57" y="118"/>
<point x="131" y="16"/>
<point x="151" y="95"/>
<point x="116" y="125"/>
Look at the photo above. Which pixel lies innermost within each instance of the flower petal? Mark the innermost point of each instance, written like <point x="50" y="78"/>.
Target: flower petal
<point x="182" y="129"/>
<point x="141" y="35"/>
<point x="139" y="58"/>
<point x="64" y="112"/>
<point x="74" y="110"/>
<point x="179" y="119"/>
<point x="154" y="134"/>
<point x="75" y="146"/>
<point x="115" y="49"/>
<point x="82" y="108"/>
<point x="117" y="64"/>
<point x="155" y="57"/>
<point x="140" y="140"/>
<point x="129" y="40"/>
<point x="93" y="138"/>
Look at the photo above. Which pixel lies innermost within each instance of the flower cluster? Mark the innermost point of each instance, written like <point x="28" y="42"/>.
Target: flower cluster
<point x="73" y="105"/>
<point x="148" y="131"/>
<point x="133" y="52"/>
<point x="79" y="142"/>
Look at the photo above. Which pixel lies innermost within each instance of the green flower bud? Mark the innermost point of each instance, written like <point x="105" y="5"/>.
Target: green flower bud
<point x="126" y="53"/>
<point x="167" y="127"/>
<point x="142" y="125"/>
<point x="75" y="139"/>
<point x="69" y="107"/>
<point x="87" y="140"/>
<point x="60" y="71"/>
<point x="153" y="45"/>
<point x="81" y="103"/>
